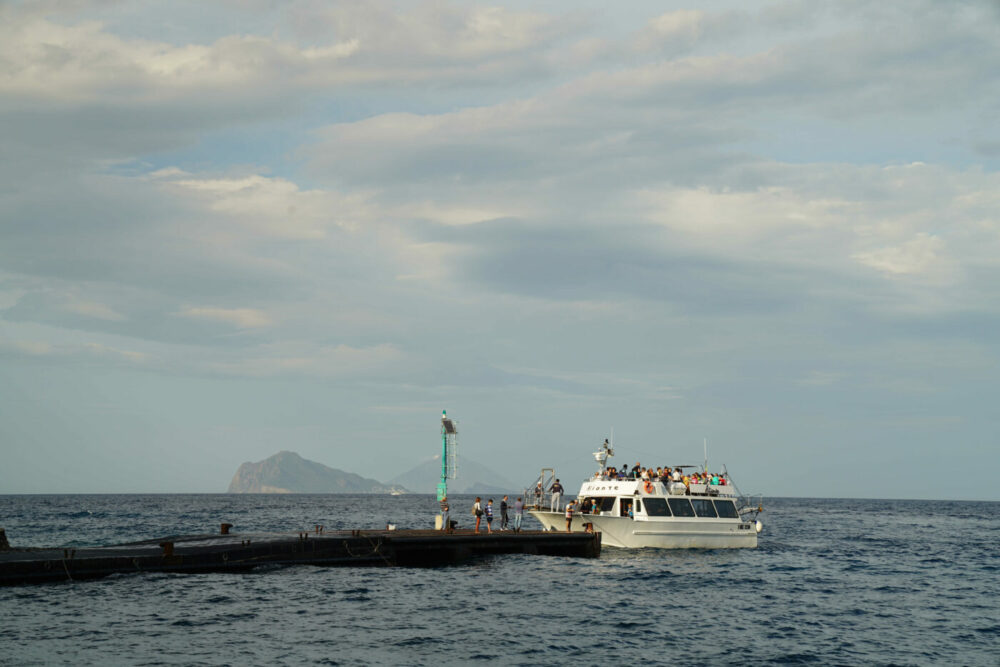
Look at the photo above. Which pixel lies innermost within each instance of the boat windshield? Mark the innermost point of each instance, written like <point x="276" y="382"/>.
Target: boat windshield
<point x="681" y="506"/>
<point x="657" y="507"/>
<point x="727" y="509"/>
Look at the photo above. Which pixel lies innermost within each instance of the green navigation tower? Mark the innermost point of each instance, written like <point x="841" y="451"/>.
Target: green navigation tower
<point x="449" y="453"/>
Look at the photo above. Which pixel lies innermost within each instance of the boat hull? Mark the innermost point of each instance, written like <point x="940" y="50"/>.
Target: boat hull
<point x="667" y="533"/>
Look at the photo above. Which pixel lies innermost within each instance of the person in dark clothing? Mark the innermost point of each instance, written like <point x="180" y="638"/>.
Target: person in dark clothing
<point x="503" y="513"/>
<point x="557" y="490"/>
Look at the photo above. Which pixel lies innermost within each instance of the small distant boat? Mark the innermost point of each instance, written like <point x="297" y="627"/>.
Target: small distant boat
<point x="665" y="513"/>
<point x="396" y="492"/>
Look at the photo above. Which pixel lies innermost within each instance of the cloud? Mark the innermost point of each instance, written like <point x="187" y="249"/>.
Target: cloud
<point x="93" y="309"/>
<point x="270" y="206"/>
<point x="917" y="256"/>
<point x="702" y="218"/>
<point x="88" y="62"/>
<point x="296" y="359"/>
<point x="68" y="353"/>
<point x="248" y="318"/>
<point x="676" y="31"/>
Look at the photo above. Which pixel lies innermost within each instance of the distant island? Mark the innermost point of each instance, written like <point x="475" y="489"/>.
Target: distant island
<point x="287" y="472"/>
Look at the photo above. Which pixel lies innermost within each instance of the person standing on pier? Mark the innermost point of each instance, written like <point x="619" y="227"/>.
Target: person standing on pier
<point x="569" y="516"/>
<point x="503" y="513"/>
<point x="445" y="518"/>
<point x="518" y="514"/>
<point x="557" y="490"/>
<point x="477" y="509"/>
<point x="489" y="516"/>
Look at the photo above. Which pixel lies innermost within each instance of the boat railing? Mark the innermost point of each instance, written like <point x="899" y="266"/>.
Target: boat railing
<point x="546" y="478"/>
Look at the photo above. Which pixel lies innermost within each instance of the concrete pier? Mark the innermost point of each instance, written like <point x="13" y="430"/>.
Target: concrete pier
<point x="233" y="552"/>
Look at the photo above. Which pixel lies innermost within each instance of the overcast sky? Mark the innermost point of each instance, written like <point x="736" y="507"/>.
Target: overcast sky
<point x="232" y="228"/>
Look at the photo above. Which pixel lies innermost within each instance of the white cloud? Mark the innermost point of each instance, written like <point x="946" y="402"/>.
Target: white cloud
<point x="95" y="310"/>
<point x="247" y="318"/>
<point x="269" y="206"/>
<point x="67" y="352"/>
<point x="82" y="63"/>
<point x="46" y="60"/>
<point x="916" y="256"/>
<point x="678" y="29"/>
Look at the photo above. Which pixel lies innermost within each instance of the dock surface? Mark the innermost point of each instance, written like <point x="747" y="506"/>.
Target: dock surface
<point x="241" y="552"/>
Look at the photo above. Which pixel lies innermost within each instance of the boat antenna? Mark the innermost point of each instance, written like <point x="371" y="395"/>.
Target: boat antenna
<point x="607" y="449"/>
<point x="706" y="456"/>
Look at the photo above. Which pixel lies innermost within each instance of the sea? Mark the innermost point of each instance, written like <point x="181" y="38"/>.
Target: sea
<point x="833" y="582"/>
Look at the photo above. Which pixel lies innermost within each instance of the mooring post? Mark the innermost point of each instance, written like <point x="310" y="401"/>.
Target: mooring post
<point x="4" y="544"/>
<point x="225" y="528"/>
<point x="168" y="548"/>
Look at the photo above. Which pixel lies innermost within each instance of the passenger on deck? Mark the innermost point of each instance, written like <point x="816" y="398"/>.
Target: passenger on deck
<point x="557" y="491"/>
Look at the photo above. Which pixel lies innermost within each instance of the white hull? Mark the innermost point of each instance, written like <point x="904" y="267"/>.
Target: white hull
<point x="659" y="532"/>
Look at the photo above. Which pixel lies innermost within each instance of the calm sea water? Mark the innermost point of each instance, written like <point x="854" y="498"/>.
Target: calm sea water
<point x="833" y="582"/>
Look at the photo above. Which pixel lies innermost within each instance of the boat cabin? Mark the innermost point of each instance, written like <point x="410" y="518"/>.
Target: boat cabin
<point x="655" y="500"/>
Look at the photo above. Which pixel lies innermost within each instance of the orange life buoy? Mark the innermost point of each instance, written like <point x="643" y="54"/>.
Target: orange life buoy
<point x="648" y="486"/>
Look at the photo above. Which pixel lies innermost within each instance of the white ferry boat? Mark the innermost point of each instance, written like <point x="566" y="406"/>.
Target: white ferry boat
<point x="660" y="513"/>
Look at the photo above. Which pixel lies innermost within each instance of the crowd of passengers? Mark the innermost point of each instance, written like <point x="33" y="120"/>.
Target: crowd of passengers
<point x="664" y="474"/>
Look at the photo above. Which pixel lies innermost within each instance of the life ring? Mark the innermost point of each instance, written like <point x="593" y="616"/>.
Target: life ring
<point x="648" y="486"/>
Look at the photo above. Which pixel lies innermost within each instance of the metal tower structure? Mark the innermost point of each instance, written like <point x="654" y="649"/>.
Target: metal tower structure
<point x="449" y="454"/>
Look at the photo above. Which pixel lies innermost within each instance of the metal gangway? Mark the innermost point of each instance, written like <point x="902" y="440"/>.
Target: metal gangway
<point x="532" y="498"/>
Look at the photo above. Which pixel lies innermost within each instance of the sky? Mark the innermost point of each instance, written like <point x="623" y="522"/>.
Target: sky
<point x="233" y="228"/>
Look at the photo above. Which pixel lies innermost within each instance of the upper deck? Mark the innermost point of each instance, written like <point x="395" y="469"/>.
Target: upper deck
<point x="629" y="487"/>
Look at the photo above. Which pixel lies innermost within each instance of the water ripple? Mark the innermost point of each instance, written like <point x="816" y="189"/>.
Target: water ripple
<point x="833" y="582"/>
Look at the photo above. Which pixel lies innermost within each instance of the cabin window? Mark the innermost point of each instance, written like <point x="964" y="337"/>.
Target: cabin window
<point x="657" y="507"/>
<point x="680" y="506"/>
<point x="704" y="508"/>
<point x="727" y="509"/>
<point x="605" y="503"/>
